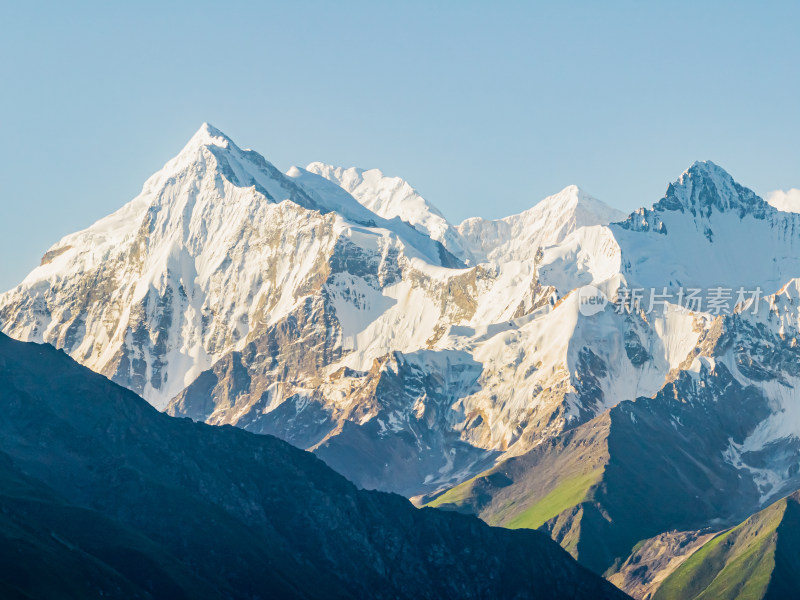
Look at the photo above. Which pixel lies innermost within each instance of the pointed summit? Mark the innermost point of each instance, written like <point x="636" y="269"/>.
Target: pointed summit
<point x="206" y="139"/>
<point x="208" y="135"/>
<point x="575" y="198"/>
<point x="705" y="188"/>
<point x="706" y="166"/>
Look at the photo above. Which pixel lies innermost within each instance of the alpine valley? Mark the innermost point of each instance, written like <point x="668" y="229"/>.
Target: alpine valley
<point x="456" y="365"/>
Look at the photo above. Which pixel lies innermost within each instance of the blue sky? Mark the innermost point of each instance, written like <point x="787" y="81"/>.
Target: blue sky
<point x="485" y="110"/>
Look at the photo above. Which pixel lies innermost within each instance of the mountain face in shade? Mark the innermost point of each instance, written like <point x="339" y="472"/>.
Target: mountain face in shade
<point x="104" y="496"/>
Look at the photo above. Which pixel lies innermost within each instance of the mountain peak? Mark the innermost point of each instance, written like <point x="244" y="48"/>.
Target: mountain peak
<point x="572" y="190"/>
<point x="705" y="188"/>
<point x="549" y="221"/>
<point x="706" y="166"/>
<point x="704" y="170"/>
<point x="208" y="135"/>
<point x="383" y="194"/>
<point x="574" y="199"/>
<point x="572" y="195"/>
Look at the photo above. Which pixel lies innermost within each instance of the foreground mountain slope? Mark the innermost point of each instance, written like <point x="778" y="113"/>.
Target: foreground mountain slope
<point x="50" y="548"/>
<point x="760" y="558"/>
<point x="122" y="501"/>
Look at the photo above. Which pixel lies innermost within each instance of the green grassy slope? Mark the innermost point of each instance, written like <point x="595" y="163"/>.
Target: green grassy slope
<point x="755" y="560"/>
<point x="527" y="491"/>
<point x="569" y="493"/>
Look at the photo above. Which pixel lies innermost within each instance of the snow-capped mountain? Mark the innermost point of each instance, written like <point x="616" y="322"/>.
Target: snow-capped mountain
<point x="710" y="436"/>
<point x="218" y="244"/>
<point x="517" y="237"/>
<point x="339" y="310"/>
<point x="236" y="294"/>
<point x="710" y="231"/>
<point x="707" y="231"/>
<point x="335" y="308"/>
<point x="715" y="444"/>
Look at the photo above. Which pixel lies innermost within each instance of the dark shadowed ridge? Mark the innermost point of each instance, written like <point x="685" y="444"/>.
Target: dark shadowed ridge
<point x="101" y="495"/>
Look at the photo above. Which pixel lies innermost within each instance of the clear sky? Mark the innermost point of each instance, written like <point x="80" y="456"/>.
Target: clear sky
<point x="484" y="109"/>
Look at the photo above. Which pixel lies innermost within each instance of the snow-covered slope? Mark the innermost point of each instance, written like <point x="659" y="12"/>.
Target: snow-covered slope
<point x="671" y="420"/>
<point x="519" y="236"/>
<point x="710" y="231"/>
<point x="514" y="238"/>
<point x="392" y="197"/>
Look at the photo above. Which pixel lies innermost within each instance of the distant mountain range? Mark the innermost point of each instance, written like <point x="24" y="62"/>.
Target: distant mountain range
<point x="339" y="310"/>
